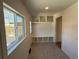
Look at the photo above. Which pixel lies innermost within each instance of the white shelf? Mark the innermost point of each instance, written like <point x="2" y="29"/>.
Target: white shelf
<point x="42" y="22"/>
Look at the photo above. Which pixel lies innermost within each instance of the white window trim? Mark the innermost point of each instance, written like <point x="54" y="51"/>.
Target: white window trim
<point x="15" y="46"/>
<point x="17" y="43"/>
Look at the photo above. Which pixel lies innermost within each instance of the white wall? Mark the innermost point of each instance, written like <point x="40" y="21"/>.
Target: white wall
<point x="21" y="52"/>
<point x="70" y="31"/>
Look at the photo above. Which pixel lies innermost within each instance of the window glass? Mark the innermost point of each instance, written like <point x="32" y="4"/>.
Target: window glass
<point x="14" y="28"/>
<point x="9" y="26"/>
<point x="20" y="26"/>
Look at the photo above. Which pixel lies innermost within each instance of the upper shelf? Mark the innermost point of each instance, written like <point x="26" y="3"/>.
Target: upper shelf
<point x="42" y="22"/>
<point x="43" y="19"/>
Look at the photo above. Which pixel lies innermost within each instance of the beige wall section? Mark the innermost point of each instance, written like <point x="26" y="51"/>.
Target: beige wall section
<point x="70" y="31"/>
<point x="21" y="52"/>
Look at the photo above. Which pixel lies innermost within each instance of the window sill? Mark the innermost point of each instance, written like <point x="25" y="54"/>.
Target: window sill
<point x="15" y="46"/>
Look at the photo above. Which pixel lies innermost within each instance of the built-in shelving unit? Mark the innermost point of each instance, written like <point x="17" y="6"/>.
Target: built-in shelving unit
<point x="42" y="39"/>
<point x="43" y="19"/>
<point x="43" y="24"/>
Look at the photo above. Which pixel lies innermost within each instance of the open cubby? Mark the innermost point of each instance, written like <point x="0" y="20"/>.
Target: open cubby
<point x="42" y="19"/>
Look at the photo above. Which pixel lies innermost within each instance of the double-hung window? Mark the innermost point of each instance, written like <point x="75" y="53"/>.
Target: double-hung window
<point x="14" y="28"/>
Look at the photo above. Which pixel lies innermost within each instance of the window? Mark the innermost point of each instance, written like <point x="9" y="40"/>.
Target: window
<point x="14" y="27"/>
<point x="9" y="26"/>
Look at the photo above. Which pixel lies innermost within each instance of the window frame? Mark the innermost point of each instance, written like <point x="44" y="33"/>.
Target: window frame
<point x="17" y="42"/>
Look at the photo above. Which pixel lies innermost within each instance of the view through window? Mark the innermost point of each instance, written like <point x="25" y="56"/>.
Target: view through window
<point x="14" y="27"/>
<point x="9" y="26"/>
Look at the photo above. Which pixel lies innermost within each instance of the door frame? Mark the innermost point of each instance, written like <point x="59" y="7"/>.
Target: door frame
<point x="59" y="42"/>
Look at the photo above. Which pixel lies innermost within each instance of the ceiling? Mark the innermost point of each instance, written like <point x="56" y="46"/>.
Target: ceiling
<point x="37" y="6"/>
